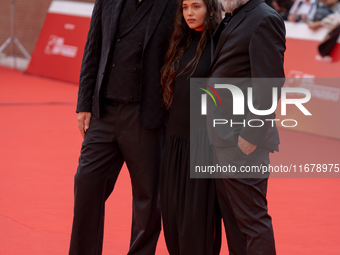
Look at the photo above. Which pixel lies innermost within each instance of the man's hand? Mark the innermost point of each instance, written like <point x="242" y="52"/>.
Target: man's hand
<point x="83" y="122"/>
<point x="291" y="18"/>
<point x="304" y="17"/>
<point x="314" y="25"/>
<point x="245" y="146"/>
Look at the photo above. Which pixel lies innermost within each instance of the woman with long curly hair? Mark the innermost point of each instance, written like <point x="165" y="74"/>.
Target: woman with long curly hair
<point x="191" y="220"/>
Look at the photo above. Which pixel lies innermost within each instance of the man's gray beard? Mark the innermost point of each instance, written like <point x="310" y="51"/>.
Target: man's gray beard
<point x="230" y="5"/>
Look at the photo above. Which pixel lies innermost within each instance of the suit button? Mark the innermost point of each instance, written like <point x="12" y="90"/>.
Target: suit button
<point x="118" y="40"/>
<point x="131" y="98"/>
<point x="139" y="44"/>
<point x="113" y="65"/>
<point x="134" y="69"/>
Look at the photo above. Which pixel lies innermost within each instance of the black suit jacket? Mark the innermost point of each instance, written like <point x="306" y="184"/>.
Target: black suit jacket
<point x="98" y="50"/>
<point x="251" y="46"/>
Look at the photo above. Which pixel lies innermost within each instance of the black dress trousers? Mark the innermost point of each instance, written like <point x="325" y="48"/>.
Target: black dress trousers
<point x="243" y="203"/>
<point x="116" y="137"/>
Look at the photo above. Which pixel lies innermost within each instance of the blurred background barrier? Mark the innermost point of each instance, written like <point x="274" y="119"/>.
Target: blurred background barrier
<point x="302" y="60"/>
<point x="324" y="106"/>
<point x="59" y="50"/>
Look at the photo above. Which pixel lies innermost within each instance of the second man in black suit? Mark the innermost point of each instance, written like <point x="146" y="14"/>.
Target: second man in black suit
<point x="249" y="43"/>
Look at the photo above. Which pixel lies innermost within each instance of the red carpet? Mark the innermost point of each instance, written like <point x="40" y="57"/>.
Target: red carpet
<point x="39" y="149"/>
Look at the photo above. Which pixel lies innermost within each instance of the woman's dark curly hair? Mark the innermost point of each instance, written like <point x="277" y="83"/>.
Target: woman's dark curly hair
<point x="180" y="41"/>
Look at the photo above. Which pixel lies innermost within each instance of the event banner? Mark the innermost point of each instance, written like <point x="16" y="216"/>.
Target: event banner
<point x="228" y="114"/>
<point x="59" y="50"/>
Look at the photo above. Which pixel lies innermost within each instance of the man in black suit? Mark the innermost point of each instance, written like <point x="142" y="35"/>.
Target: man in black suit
<point x="121" y="117"/>
<point x="249" y="43"/>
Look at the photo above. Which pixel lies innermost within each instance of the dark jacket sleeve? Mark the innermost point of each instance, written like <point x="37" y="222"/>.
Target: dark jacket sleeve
<point x="91" y="58"/>
<point x="266" y="52"/>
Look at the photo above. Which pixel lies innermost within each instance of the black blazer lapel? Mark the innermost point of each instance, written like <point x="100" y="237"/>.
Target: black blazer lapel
<point x="143" y="9"/>
<point x="156" y="14"/>
<point x="233" y="23"/>
<point x="231" y="26"/>
<point x="116" y="9"/>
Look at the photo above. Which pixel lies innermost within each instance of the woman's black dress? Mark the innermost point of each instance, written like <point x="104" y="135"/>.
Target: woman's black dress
<point x="188" y="205"/>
